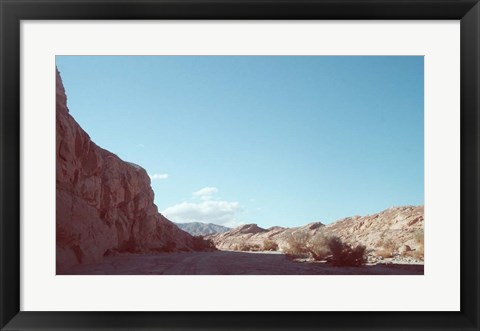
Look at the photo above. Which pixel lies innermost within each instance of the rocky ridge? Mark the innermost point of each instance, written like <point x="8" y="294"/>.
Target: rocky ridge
<point x="394" y="230"/>
<point x="103" y="204"/>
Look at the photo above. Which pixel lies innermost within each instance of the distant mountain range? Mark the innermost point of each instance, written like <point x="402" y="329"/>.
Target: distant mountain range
<point x="202" y="229"/>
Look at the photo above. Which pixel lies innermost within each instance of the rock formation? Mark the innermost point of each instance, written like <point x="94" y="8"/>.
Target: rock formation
<point x="397" y="229"/>
<point x="397" y="226"/>
<point x="251" y="235"/>
<point x="103" y="204"/>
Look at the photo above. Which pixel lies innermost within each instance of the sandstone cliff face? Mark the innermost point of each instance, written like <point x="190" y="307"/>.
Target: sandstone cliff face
<point x="399" y="228"/>
<point x="103" y="204"/>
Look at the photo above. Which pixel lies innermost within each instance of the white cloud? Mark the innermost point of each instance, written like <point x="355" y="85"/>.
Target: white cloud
<point x="209" y="211"/>
<point x="140" y="145"/>
<point x="158" y="176"/>
<point x="205" y="193"/>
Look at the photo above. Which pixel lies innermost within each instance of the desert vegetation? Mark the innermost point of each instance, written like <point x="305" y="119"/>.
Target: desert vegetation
<point x="248" y="247"/>
<point x="318" y="246"/>
<point x="298" y="245"/>
<point x="344" y="254"/>
<point x="270" y="245"/>
<point x="105" y="212"/>
<point x="302" y="245"/>
<point x="386" y="248"/>
<point x="394" y="235"/>
<point x="419" y="240"/>
<point x="323" y="248"/>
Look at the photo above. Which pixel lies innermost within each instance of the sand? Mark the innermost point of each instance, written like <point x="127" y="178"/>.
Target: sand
<point x="229" y="263"/>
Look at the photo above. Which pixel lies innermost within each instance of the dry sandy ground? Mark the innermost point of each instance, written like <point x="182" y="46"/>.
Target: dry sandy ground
<point x="228" y="263"/>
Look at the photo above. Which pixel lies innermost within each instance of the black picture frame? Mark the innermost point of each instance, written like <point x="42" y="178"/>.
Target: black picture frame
<point x="13" y="11"/>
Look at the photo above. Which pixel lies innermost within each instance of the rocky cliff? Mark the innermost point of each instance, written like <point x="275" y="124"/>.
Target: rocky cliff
<point x="103" y="204"/>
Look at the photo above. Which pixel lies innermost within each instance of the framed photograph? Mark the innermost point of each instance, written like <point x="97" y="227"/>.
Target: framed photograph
<point x="239" y="165"/>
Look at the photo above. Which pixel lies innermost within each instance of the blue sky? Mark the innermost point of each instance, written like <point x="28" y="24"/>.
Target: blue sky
<point x="272" y="140"/>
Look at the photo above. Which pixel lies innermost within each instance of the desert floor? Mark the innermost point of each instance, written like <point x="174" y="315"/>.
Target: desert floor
<point x="229" y="263"/>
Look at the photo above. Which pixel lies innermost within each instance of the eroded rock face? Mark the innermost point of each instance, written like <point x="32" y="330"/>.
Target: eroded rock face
<point x="251" y="235"/>
<point x="400" y="227"/>
<point x="103" y="204"/>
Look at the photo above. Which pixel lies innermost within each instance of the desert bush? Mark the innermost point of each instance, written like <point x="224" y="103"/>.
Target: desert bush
<point x="318" y="247"/>
<point x="419" y="236"/>
<point x="298" y="244"/>
<point x="270" y="245"/>
<point x="244" y="247"/>
<point x="255" y="248"/>
<point x="202" y="244"/>
<point x="344" y="254"/>
<point x="386" y="248"/>
<point x="418" y="250"/>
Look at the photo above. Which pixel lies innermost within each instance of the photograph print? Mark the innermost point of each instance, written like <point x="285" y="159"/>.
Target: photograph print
<point x="240" y="165"/>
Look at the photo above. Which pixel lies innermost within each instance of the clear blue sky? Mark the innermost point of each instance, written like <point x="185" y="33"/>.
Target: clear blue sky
<point x="272" y="140"/>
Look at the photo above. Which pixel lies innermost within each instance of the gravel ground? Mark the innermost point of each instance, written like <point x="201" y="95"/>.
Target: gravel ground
<point x="229" y="263"/>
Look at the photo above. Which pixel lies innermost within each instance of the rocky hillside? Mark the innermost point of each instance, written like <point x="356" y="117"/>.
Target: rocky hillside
<point x="103" y="204"/>
<point x="398" y="226"/>
<point x="251" y="235"/>
<point x="202" y="229"/>
<point x="394" y="229"/>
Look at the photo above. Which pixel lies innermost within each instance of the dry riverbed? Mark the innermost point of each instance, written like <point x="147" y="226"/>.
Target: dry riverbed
<point x="229" y="263"/>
